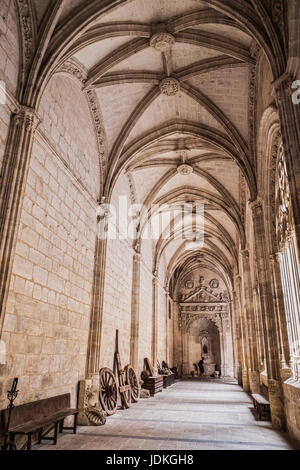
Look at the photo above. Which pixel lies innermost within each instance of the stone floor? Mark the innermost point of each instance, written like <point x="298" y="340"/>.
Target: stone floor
<point x="192" y="414"/>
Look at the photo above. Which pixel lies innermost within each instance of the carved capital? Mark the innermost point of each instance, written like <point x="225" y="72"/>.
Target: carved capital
<point x="245" y="254"/>
<point x="27" y="117"/>
<point x="257" y="206"/>
<point x="283" y="87"/>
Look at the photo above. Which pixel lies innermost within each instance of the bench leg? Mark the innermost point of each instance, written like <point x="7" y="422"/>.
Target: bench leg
<point x="55" y="433"/>
<point x="29" y="441"/>
<point x="11" y="445"/>
<point x="40" y="436"/>
<point x="259" y="412"/>
<point x="61" y="426"/>
<point x="75" y="424"/>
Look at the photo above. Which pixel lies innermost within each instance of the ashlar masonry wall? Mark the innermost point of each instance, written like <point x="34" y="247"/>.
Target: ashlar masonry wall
<point x="46" y="323"/>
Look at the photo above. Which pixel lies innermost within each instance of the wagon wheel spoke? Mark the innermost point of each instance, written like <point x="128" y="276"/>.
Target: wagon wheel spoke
<point x="107" y="389"/>
<point x="132" y="380"/>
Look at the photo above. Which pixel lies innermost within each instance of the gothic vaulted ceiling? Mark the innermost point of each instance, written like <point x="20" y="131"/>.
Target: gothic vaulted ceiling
<point x="172" y="82"/>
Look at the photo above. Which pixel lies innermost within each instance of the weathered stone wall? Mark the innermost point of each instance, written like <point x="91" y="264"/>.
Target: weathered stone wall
<point x="9" y="45"/>
<point x="117" y="302"/>
<point x="47" y="317"/>
<point x="4" y="125"/>
<point x="291" y="390"/>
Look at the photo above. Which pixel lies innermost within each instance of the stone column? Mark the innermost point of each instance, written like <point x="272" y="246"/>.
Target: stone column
<point x="135" y="310"/>
<point x="154" y="318"/>
<point x="244" y="337"/>
<point x="14" y="174"/>
<point x="94" y="344"/>
<point x="289" y="114"/>
<point x="259" y="329"/>
<point x="238" y="339"/>
<point x="222" y="334"/>
<point x="268" y="317"/>
<point x="185" y="352"/>
<point x="167" y="326"/>
<point x="280" y="317"/>
<point x="253" y="371"/>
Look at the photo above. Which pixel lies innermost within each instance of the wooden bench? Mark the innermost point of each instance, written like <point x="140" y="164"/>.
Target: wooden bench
<point x="37" y="419"/>
<point x="261" y="403"/>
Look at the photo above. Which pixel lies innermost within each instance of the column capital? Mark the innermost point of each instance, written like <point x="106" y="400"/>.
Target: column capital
<point x="282" y="83"/>
<point x="27" y="116"/>
<point x="257" y="206"/>
<point x="245" y="253"/>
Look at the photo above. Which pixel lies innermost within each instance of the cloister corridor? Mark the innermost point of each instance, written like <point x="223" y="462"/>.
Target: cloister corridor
<point x="196" y="414"/>
<point x="149" y="225"/>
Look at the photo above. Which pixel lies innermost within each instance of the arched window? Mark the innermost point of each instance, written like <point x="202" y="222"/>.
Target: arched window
<point x="289" y="261"/>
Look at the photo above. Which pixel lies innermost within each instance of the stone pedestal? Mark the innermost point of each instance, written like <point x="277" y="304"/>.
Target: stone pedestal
<point x="276" y="404"/>
<point x="254" y="382"/>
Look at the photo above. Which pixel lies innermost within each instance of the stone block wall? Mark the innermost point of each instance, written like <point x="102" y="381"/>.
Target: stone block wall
<point x="291" y="391"/>
<point x="9" y="45"/>
<point x="117" y="302"/>
<point x="4" y="125"/>
<point x="47" y="317"/>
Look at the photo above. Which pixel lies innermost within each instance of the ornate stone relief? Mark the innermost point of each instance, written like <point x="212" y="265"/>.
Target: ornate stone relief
<point x="185" y="169"/>
<point x="273" y="181"/>
<point x="243" y="197"/>
<point x="169" y="86"/>
<point x="283" y="200"/>
<point x="90" y="412"/>
<point x="254" y="50"/>
<point x="99" y="129"/>
<point x="133" y="196"/>
<point x="162" y="42"/>
<point x="75" y="69"/>
<point x="27" y="29"/>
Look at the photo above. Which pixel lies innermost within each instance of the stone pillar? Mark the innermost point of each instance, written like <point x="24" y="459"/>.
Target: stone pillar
<point x="253" y="372"/>
<point x="94" y="344"/>
<point x="135" y="311"/>
<point x="167" y="326"/>
<point x="280" y="317"/>
<point x="154" y="318"/>
<point x="238" y="339"/>
<point x="289" y="114"/>
<point x="259" y="329"/>
<point x="14" y="174"/>
<point x="268" y="317"/>
<point x="244" y="342"/>
<point x="185" y="352"/>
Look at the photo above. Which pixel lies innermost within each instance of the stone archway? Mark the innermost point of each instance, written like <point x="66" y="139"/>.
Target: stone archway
<point x="204" y="341"/>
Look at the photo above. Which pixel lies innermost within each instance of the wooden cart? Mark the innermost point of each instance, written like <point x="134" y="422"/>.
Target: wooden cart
<point x="128" y="385"/>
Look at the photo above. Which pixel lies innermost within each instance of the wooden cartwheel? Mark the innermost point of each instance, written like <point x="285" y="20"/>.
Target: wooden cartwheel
<point x="132" y="379"/>
<point x="108" y="392"/>
<point x="108" y="389"/>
